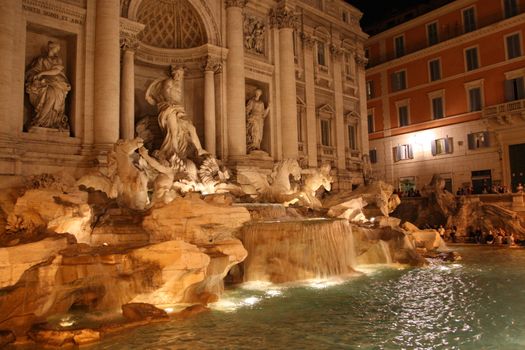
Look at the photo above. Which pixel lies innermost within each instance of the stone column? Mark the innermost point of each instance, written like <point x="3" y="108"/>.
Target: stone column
<point x="209" y="105"/>
<point x="236" y="110"/>
<point x="340" y="128"/>
<point x="127" y="88"/>
<point x="107" y="72"/>
<point x="285" y="19"/>
<point x="363" y="109"/>
<point x="309" y="79"/>
<point x="8" y="12"/>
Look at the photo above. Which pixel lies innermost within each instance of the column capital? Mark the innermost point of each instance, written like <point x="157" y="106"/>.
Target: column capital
<point x="308" y="40"/>
<point x="336" y="51"/>
<point x="213" y="64"/>
<point x="128" y="43"/>
<point x="236" y="3"/>
<point x="361" y="61"/>
<point x="284" y="16"/>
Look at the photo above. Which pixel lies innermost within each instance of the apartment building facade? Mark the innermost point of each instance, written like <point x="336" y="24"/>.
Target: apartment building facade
<point x="446" y="96"/>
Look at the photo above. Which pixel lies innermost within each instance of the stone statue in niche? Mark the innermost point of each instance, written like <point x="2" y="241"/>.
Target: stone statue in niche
<point x="47" y="86"/>
<point x="256" y="113"/>
<point x="180" y="133"/>
<point x="254" y="35"/>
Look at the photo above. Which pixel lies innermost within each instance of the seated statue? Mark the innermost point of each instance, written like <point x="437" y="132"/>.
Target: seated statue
<point x="180" y="134"/>
<point x="47" y="86"/>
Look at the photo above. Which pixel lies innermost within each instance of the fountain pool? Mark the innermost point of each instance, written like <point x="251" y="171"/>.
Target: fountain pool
<point x="477" y="303"/>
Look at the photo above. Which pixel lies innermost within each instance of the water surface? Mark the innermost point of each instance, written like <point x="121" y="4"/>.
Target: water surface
<point x="477" y="303"/>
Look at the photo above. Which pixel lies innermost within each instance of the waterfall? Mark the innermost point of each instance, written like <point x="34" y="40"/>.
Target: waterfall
<point x="298" y="250"/>
<point x="377" y="253"/>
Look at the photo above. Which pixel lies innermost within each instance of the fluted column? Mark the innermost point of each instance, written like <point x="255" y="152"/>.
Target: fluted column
<point x="127" y="88"/>
<point x="236" y="109"/>
<point x="309" y="80"/>
<point x="209" y="105"/>
<point x="363" y="110"/>
<point x="340" y="128"/>
<point x="8" y="11"/>
<point x="107" y="72"/>
<point x="285" y="19"/>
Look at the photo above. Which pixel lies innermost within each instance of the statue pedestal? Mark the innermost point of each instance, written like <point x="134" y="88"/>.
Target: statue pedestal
<point x="256" y="159"/>
<point x="48" y="133"/>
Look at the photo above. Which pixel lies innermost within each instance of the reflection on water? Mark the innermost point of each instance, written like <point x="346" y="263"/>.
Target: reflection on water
<point x="476" y="304"/>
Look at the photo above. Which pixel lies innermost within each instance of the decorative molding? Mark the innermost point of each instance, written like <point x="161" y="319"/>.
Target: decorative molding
<point x="56" y="10"/>
<point x="163" y="57"/>
<point x="336" y="51"/>
<point x="129" y="32"/>
<point x="361" y="61"/>
<point x="236" y="3"/>
<point x="283" y="16"/>
<point x="212" y="63"/>
<point x="308" y="40"/>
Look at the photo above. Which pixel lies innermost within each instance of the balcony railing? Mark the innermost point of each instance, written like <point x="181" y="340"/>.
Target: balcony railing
<point x="503" y="112"/>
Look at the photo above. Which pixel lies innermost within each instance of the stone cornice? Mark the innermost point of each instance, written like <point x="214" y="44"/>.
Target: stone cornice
<point x="459" y="40"/>
<point x="236" y="3"/>
<point x="162" y="57"/>
<point x="56" y="10"/>
<point x="423" y="19"/>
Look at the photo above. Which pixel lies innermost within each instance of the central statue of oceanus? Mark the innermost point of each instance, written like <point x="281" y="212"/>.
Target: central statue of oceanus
<point x="180" y="135"/>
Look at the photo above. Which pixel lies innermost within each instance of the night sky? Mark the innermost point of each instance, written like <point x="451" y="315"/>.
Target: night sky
<point x="379" y="10"/>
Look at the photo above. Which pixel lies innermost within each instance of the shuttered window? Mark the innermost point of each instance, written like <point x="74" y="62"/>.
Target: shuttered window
<point x="373" y="156"/>
<point x="399" y="81"/>
<point x="469" y="20"/>
<point x="478" y="140"/>
<point x="471" y="58"/>
<point x="437" y="108"/>
<point x="514" y="89"/>
<point x="434" y="67"/>
<point x="475" y="99"/>
<point x="403" y="152"/>
<point x="442" y="146"/>
<point x="513" y="46"/>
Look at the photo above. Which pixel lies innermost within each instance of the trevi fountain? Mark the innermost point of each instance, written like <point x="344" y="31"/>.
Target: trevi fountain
<point x="158" y="216"/>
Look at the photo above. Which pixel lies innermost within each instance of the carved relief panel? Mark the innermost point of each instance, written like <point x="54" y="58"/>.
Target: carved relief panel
<point x="254" y="35"/>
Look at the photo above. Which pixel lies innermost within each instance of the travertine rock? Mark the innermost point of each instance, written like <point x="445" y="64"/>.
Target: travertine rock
<point x="142" y="311"/>
<point x="194" y="220"/>
<point x="54" y="210"/>
<point x="14" y="261"/>
<point x="378" y="193"/>
<point x="351" y="210"/>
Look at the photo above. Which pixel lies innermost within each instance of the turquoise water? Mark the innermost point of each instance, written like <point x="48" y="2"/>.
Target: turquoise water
<point x="477" y="303"/>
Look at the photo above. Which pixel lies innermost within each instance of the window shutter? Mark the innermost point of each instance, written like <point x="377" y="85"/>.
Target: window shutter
<point x="471" y="141"/>
<point x="449" y="144"/>
<point x="486" y="136"/>
<point x="520" y="93"/>
<point x="397" y="154"/>
<point x="410" y="154"/>
<point x="394" y="82"/>
<point x="433" y="147"/>
<point x="509" y="90"/>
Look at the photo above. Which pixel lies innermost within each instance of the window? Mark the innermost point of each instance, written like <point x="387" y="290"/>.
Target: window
<point x="403" y="152"/>
<point x="403" y="112"/>
<point x="321" y="57"/>
<point x="370" y="89"/>
<point x="373" y="156"/>
<point x="367" y="53"/>
<point x="399" y="44"/>
<point x="514" y="89"/>
<point x="437" y="108"/>
<point x="432" y="33"/>
<point x="370" y="120"/>
<point x="352" y="138"/>
<point x="344" y="16"/>
<point x="325" y="133"/>
<point x="399" y="81"/>
<point x="471" y="58"/>
<point x="513" y="45"/>
<point x="474" y="97"/>
<point x="469" y="19"/>
<point x="511" y="8"/>
<point x="434" y="68"/>
<point x="478" y="140"/>
<point x="442" y="146"/>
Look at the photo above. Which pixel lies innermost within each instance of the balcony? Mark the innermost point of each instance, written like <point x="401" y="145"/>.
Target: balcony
<point x="505" y="113"/>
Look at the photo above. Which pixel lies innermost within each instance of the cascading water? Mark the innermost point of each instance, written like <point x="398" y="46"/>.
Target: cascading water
<point x="377" y="253"/>
<point x="284" y="251"/>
